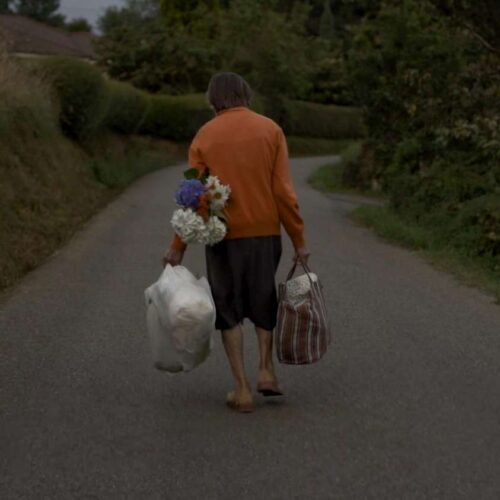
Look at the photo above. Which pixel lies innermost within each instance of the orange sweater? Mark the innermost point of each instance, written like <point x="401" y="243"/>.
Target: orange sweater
<point x="248" y="152"/>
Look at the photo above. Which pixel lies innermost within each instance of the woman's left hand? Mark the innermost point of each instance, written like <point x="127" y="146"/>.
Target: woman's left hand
<point x="172" y="257"/>
<point x="302" y="254"/>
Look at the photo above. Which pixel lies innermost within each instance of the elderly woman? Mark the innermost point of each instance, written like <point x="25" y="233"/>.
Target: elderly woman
<point x="248" y="152"/>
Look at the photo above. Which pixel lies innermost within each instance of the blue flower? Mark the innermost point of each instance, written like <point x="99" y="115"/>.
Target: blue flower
<point x="189" y="192"/>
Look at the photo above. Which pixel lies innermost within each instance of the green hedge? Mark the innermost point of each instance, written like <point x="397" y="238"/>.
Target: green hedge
<point x="88" y="102"/>
<point x="308" y="119"/>
<point x="179" y="118"/>
<point x="176" y="117"/>
<point x="127" y="108"/>
<point x="82" y="93"/>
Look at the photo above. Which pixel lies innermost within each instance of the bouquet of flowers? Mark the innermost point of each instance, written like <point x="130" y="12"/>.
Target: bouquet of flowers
<point x="200" y="217"/>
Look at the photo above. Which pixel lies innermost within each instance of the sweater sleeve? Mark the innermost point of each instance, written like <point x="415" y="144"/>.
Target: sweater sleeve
<point x="195" y="161"/>
<point x="284" y="194"/>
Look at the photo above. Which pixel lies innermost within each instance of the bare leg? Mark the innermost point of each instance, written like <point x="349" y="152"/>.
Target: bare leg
<point x="266" y="367"/>
<point x="233" y="344"/>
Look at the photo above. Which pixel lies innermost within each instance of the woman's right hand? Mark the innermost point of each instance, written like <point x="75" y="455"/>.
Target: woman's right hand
<point x="302" y="255"/>
<point x="172" y="257"/>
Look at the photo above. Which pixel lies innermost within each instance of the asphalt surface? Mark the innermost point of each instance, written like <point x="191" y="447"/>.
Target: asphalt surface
<point x="406" y="404"/>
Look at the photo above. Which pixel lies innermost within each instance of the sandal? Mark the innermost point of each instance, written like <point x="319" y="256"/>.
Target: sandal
<point x="240" y="407"/>
<point x="271" y="388"/>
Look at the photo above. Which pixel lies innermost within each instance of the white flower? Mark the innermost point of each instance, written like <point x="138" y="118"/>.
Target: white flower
<point x="217" y="231"/>
<point x="212" y="180"/>
<point x="220" y="193"/>
<point x="189" y="226"/>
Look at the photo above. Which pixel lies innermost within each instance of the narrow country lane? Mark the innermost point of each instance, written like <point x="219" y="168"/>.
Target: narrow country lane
<point x="406" y="405"/>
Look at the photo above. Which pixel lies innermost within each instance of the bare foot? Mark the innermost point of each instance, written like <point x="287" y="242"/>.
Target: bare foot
<point x="268" y="384"/>
<point x="267" y="375"/>
<point x="240" y="399"/>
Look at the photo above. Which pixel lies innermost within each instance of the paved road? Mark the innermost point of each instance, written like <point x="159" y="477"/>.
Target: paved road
<point x="406" y="405"/>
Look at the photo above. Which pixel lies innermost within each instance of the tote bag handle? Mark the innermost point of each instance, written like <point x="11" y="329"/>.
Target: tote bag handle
<point x="304" y="266"/>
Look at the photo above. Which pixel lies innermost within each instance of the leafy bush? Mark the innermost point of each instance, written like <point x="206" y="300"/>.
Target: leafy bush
<point x="82" y="93"/>
<point x="127" y="108"/>
<point x="176" y="117"/>
<point x="327" y="121"/>
<point x="432" y="106"/>
<point x="476" y="228"/>
<point x="359" y="169"/>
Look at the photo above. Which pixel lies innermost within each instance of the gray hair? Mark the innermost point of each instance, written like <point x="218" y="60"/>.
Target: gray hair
<point x="228" y="90"/>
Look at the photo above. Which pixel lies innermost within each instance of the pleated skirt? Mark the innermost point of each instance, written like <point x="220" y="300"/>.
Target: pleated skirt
<point x="241" y="273"/>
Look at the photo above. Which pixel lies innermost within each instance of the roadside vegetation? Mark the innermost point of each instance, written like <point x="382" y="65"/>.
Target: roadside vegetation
<point x="426" y="75"/>
<point x="388" y="223"/>
<point x="408" y="91"/>
<point x="336" y="177"/>
<point x="431" y="244"/>
<point x="50" y="183"/>
<point x="72" y="138"/>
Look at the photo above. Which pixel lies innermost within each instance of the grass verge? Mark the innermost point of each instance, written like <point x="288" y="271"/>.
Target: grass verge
<point x="116" y="161"/>
<point x="328" y="178"/>
<point x="51" y="186"/>
<point x="473" y="271"/>
<point x="483" y="273"/>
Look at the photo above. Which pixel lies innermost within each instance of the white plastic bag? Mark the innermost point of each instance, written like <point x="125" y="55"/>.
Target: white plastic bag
<point x="181" y="320"/>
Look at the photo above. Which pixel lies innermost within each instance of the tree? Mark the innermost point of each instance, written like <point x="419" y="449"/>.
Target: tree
<point x="183" y="11"/>
<point x="140" y="47"/>
<point x="41" y="10"/>
<point x="79" y="24"/>
<point x="345" y="13"/>
<point x="5" y="6"/>
<point x="326" y="24"/>
<point x="480" y="17"/>
<point x="44" y="11"/>
<point x="132" y="45"/>
<point x="257" y="41"/>
<point x="180" y="49"/>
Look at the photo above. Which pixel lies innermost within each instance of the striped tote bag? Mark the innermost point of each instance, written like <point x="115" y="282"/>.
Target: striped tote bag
<point x="303" y="330"/>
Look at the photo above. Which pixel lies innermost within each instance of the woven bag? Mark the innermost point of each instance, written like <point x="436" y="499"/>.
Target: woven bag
<point x="303" y="330"/>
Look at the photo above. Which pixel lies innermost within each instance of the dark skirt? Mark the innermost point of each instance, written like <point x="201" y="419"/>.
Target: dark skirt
<point x="241" y="273"/>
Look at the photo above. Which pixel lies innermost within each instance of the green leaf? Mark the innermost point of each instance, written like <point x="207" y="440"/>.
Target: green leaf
<point x="205" y="176"/>
<point x="191" y="173"/>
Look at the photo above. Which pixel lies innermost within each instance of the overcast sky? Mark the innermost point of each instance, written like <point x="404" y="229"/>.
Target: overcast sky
<point x="90" y="9"/>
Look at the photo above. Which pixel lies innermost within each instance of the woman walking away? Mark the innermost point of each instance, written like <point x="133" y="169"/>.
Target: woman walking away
<point x="248" y="152"/>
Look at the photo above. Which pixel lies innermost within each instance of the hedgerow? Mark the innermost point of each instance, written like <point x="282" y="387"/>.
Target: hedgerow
<point x="127" y="108"/>
<point x="82" y="94"/>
